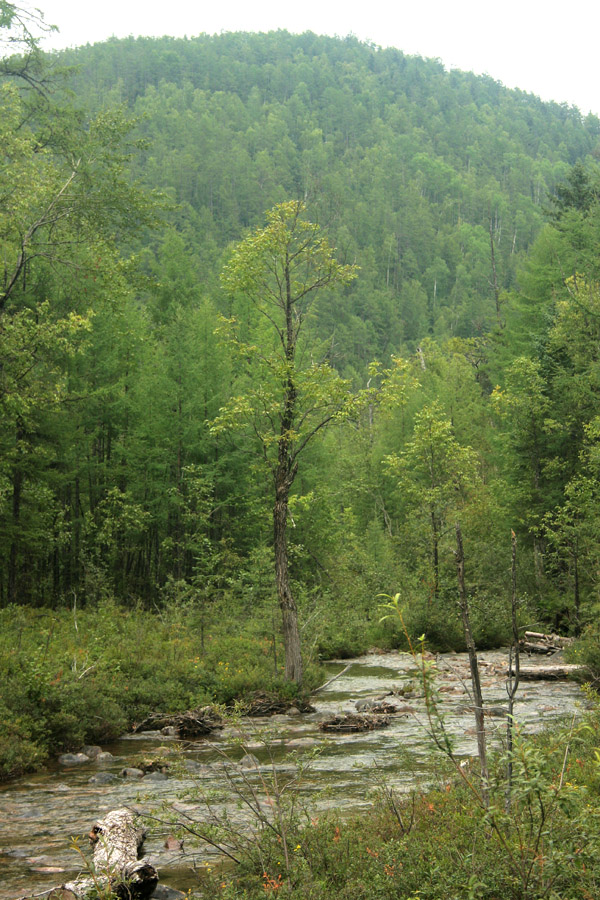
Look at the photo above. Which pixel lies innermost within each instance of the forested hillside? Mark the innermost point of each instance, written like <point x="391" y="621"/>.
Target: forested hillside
<point x="127" y="469"/>
<point x="413" y="169"/>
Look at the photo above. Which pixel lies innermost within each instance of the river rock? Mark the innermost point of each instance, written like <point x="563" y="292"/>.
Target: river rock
<point x="249" y="761"/>
<point x="103" y="778"/>
<point x="131" y="772"/>
<point x="91" y="750"/>
<point x="73" y="759"/>
<point x="173" y="843"/>
<point x="47" y="870"/>
<point x="162" y="892"/>
<point x="104" y="757"/>
<point x="362" y="705"/>
<point x="302" y="743"/>
<point x="155" y="776"/>
<point x="169" y="731"/>
<point x="193" y="766"/>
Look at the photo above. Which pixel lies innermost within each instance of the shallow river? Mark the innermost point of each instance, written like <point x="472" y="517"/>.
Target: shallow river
<point x="39" y="814"/>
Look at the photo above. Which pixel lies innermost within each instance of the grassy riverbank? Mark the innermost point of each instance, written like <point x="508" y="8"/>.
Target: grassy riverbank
<point x="70" y="677"/>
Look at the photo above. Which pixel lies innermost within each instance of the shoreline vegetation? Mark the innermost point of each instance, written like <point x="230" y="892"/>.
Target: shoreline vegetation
<point x="443" y="840"/>
<point x="73" y="677"/>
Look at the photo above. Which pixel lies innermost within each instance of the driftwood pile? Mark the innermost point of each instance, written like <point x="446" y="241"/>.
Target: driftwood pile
<point x="265" y="703"/>
<point x="351" y="722"/>
<point x="193" y="723"/>
<point x="549" y="645"/>
<point x="537" y="642"/>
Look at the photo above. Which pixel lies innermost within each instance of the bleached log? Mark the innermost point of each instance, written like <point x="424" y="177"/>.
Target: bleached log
<point x="538" y="642"/>
<point x="117" y="839"/>
<point x="531" y="647"/>
<point x="542" y="673"/>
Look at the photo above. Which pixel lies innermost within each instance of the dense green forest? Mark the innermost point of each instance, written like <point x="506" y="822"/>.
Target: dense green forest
<point x="143" y="399"/>
<point x="440" y="186"/>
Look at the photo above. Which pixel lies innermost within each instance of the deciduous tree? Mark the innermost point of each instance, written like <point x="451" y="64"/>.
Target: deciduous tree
<point x="291" y="391"/>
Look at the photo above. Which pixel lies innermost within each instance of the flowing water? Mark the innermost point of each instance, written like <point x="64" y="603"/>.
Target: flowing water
<point x="40" y="814"/>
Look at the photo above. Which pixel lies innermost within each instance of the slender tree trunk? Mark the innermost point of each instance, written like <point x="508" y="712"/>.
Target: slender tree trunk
<point x="576" y="591"/>
<point x="435" y="553"/>
<point x="17" y="486"/>
<point x="287" y="603"/>
<point x="473" y="663"/>
<point x="495" y="287"/>
<point x="513" y="674"/>
<point x="285" y="474"/>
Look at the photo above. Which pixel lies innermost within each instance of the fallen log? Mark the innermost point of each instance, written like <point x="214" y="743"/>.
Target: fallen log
<point x="531" y="647"/>
<point x="550" y="638"/>
<point x="331" y="680"/>
<point x="538" y="642"/>
<point x="117" y="840"/>
<point x="543" y="673"/>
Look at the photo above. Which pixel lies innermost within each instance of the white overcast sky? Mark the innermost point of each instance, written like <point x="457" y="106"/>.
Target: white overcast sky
<point x="547" y="48"/>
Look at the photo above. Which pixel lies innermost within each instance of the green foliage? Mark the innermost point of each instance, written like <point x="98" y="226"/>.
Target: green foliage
<point x="71" y="677"/>
<point x="112" y="481"/>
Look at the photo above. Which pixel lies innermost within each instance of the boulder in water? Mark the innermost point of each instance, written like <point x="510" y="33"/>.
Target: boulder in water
<point x="73" y="759"/>
<point x="103" y="778"/>
<point x="132" y="772"/>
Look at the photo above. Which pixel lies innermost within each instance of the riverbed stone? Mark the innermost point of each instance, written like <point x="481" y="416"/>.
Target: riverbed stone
<point x="172" y="843"/>
<point x="155" y="776"/>
<point x="249" y="761"/>
<point x="132" y="772"/>
<point x="103" y="778"/>
<point x="162" y="892"/>
<point x="302" y="743"/>
<point x="169" y="731"/>
<point x="73" y="759"/>
<point x="104" y="757"/>
<point x="91" y="750"/>
<point x="193" y="766"/>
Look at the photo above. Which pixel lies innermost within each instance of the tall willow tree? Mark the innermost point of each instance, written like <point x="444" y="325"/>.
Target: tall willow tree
<point x="291" y="392"/>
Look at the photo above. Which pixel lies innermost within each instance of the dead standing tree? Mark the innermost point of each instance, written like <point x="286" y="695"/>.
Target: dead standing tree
<point x="473" y="664"/>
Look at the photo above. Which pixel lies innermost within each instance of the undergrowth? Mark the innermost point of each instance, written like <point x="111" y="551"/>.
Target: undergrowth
<point x="70" y="677"/>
